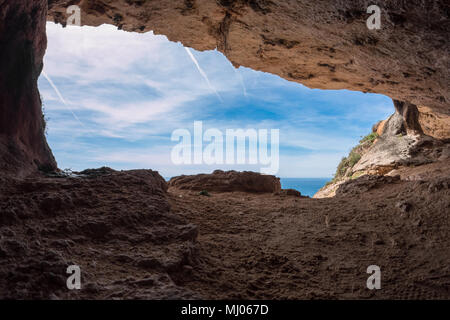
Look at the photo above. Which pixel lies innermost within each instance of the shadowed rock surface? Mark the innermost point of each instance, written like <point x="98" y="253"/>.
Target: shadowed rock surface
<point x="260" y="246"/>
<point x="116" y="226"/>
<point x="23" y="147"/>
<point x="134" y="240"/>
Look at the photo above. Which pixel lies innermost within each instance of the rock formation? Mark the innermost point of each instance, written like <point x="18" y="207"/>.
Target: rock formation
<point x="23" y="146"/>
<point x="105" y="221"/>
<point x="220" y="181"/>
<point x="400" y="142"/>
<point x="435" y="124"/>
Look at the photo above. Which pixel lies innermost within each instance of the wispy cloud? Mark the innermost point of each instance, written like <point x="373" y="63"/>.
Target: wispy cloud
<point x="60" y="96"/>
<point x="241" y="80"/>
<point x="200" y="70"/>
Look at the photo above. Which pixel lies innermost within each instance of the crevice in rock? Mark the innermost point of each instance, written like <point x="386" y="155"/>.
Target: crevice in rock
<point x="410" y="115"/>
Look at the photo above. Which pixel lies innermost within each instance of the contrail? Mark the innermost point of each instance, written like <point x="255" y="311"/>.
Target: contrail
<point x="60" y="96"/>
<point x="202" y="73"/>
<point x="239" y="75"/>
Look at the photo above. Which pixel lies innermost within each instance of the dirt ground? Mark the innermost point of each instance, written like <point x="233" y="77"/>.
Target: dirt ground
<point x="134" y="240"/>
<point x="283" y="247"/>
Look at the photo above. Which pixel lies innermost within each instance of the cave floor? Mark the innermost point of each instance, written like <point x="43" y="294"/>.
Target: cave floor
<point x="284" y="247"/>
<point x="134" y="240"/>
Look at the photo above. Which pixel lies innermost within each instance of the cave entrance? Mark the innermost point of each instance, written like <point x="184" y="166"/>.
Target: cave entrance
<point x="114" y="98"/>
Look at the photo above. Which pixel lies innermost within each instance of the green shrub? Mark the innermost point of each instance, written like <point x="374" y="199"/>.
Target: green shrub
<point x="346" y="163"/>
<point x="369" y="138"/>
<point x="353" y="158"/>
<point x="340" y="171"/>
<point x="204" y="193"/>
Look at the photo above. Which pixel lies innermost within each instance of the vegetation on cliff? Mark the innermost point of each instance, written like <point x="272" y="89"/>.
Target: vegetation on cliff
<point x="344" y="168"/>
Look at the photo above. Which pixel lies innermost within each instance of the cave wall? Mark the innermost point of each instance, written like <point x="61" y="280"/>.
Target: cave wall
<point x="23" y="146"/>
<point x="321" y="44"/>
<point x="435" y="124"/>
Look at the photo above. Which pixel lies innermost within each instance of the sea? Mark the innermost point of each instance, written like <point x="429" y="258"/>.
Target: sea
<point x="306" y="186"/>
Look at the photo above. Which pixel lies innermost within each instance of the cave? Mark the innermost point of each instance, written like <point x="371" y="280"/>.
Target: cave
<point x="155" y="240"/>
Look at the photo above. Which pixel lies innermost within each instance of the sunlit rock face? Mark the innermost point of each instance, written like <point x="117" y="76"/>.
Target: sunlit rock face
<point x="435" y="124"/>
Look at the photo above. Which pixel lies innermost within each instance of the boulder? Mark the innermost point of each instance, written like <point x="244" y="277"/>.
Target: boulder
<point x="221" y="181"/>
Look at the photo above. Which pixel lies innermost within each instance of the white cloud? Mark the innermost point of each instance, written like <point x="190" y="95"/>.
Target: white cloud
<point x="103" y="70"/>
<point x="158" y="158"/>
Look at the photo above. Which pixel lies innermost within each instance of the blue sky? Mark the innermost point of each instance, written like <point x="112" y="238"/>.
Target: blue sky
<point x="119" y="96"/>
